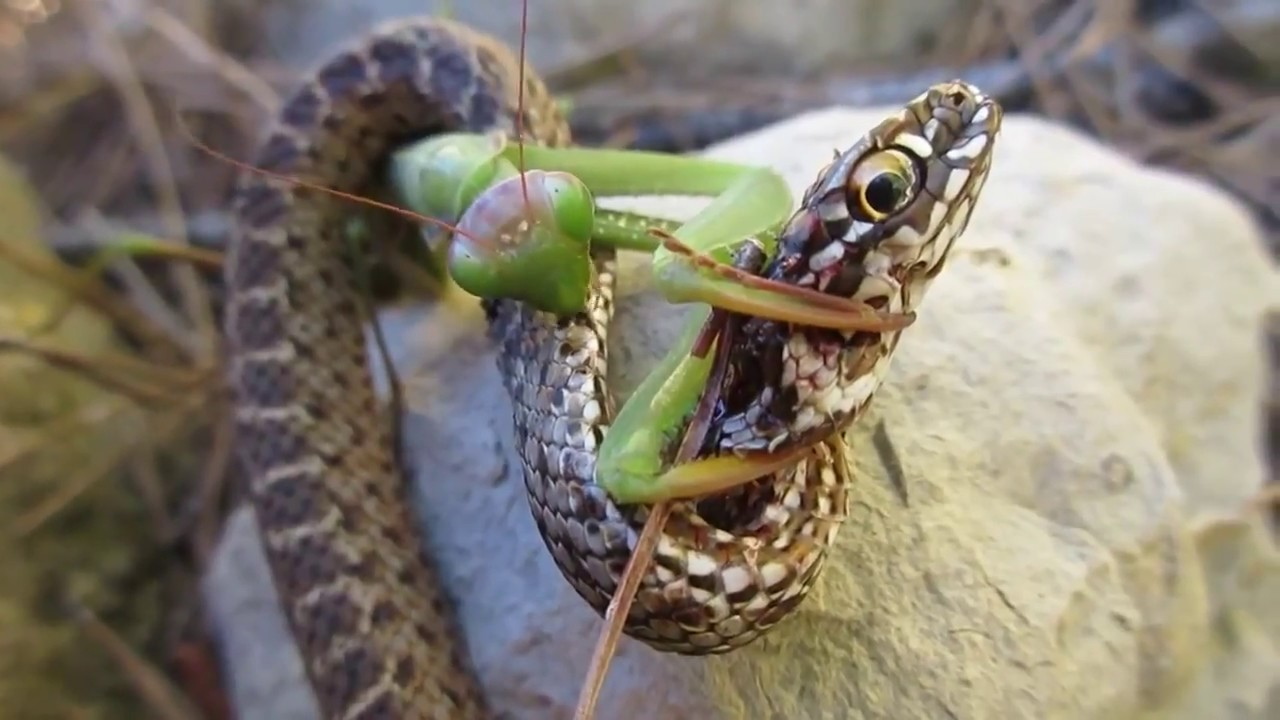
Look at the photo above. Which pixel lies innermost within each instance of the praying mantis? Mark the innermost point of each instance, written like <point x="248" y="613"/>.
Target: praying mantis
<point x="517" y="229"/>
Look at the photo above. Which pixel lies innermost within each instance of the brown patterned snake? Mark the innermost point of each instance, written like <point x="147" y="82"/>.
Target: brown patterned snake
<point x="365" y="606"/>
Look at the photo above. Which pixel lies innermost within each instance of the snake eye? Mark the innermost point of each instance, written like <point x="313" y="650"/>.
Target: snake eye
<point x="883" y="183"/>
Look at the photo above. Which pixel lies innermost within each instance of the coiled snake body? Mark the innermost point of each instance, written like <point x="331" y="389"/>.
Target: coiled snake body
<point x="365" y="605"/>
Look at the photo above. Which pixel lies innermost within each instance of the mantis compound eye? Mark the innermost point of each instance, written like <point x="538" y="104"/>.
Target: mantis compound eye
<point x="883" y="183"/>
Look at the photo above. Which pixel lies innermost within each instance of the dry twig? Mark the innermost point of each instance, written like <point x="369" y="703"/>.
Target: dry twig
<point x="151" y="142"/>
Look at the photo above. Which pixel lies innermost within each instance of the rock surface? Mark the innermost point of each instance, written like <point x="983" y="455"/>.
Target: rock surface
<point x="1050" y="515"/>
<point x="677" y="36"/>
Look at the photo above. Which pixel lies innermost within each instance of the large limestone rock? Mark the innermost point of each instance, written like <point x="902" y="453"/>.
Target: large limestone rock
<point x="1050" y="517"/>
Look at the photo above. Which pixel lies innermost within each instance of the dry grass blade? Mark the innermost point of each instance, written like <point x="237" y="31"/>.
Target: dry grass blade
<point x="146" y="130"/>
<point x="163" y="431"/>
<point x="979" y="35"/>
<point x="91" y="292"/>
<point x="206" y="520"/>
<point x="161" y="697"/>
<point x="720" y="327"/>
<point x="618" y="56"/>
<point x="34" y="518"/>
<point x="107" y="411"/>
<point x="235" y="74"/>
<point x="619" y="606"/>
<point x="139" y="245"/>
<point x="1035" y="49"/>
<point x="140" y="291"/>
<point x="145" y="473"/>
<point x="144" y="382"/>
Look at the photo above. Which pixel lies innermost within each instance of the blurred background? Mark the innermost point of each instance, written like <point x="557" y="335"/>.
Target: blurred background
<point x="114" y="469"/>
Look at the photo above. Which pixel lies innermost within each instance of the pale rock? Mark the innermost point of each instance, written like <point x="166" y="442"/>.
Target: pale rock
<point x="1050" y="512"/>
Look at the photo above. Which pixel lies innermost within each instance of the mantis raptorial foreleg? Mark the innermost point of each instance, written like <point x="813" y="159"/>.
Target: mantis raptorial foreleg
<point x="469" y="179"/>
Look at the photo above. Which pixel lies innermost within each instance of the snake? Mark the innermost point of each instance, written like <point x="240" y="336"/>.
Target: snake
<point x="376" y="628"/>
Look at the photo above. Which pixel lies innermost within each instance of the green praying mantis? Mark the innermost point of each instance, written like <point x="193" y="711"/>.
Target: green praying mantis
<point x="525" y="219"/>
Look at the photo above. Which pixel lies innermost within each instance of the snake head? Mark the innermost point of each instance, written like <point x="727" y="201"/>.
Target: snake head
<point x="874" y="227"/>
<point x="885" y="212"/>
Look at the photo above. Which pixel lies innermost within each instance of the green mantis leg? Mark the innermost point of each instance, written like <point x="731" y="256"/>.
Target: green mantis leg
<point x="460" y="176"/>
<point x="692" y="264"/>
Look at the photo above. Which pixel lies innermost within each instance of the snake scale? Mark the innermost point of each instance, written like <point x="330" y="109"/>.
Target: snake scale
<point x="364" y="603"/>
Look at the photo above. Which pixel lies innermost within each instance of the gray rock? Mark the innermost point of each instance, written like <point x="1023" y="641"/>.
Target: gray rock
<point x="1050" y="515"/>
<point x="679" y="36"/>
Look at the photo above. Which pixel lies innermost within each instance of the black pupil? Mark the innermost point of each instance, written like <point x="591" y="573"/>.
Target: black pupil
<point x="884" y="192"/>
